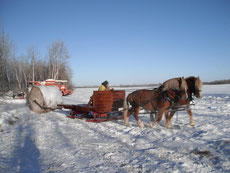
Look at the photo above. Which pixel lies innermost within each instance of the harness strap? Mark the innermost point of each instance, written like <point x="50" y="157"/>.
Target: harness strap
<point x="166" y="97"/>
<point x="180" y="82"/>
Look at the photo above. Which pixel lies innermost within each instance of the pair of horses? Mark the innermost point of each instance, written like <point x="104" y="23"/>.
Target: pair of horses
<point x="173" y="92"/>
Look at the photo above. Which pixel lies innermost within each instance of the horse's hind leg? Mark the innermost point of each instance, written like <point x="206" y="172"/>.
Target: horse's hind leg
<point x="136" y="115"/>
<point x="192" y="122"/>
<point x="126" y="117"/>
<point x="127" y="113"/>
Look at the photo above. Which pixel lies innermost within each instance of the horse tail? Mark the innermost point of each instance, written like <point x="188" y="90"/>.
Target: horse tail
<point x="125" y="110"/>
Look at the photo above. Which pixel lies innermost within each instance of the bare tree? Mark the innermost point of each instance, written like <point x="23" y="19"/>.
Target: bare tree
<point x="26" y="70"/>
<point x="18" y="73"/>
<point x="7" y="51"/>
<point x="66" y="73"/>
<point x="33" y="56"/>
<point x="58" y="55"/>
<point x="42" y="70"/>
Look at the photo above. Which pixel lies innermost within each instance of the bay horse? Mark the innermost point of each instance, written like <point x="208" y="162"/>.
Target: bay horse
<point x="157" y="100"/>
<point x="194" y="88"/>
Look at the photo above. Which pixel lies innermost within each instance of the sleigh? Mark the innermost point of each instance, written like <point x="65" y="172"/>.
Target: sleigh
<point x="102" y="106"/>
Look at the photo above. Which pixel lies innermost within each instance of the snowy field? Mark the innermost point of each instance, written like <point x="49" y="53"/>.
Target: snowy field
<point x="51" y="142"/>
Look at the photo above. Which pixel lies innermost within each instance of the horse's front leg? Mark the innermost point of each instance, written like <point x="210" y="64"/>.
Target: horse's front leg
<point x="192" y="122"/>
<point x="168" y="118"/>
<point x="136" y="115"/>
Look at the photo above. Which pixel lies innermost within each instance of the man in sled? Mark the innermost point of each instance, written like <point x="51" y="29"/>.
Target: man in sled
<point x="104" y="86"/>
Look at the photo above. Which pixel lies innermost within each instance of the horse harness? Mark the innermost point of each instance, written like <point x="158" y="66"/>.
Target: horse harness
<point x="165" y="96"/>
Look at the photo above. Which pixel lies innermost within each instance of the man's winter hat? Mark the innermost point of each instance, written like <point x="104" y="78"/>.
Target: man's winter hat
<point x="105" y="83"/>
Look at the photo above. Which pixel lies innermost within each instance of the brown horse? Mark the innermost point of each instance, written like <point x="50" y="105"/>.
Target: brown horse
<point x="159" y="100"/>
<point x="194" y="88"/>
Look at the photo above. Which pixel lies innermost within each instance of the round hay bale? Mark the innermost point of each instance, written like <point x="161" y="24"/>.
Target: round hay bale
<point x="42" y="99"/>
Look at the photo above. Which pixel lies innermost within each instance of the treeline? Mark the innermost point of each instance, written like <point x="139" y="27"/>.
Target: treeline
<point x="216" y="82"/>
<point x="17" y="71"/>
<point x="123" y="86"/>
<point x="139" y="85"/>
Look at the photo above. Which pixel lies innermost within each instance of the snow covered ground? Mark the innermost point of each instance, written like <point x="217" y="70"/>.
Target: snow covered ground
<point x="51" y="142"/>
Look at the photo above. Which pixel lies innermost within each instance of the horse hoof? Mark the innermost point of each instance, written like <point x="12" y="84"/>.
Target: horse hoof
<point x="169" y="127"/>
<point x="154" y="124"/>
<point x="192" y="123"/>
<point x="126" y="124"/>
<point x="150" y="125"/>
<point x="141" y="125"/>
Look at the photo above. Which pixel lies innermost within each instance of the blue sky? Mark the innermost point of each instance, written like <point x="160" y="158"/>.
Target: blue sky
<point x="126" y="41"/>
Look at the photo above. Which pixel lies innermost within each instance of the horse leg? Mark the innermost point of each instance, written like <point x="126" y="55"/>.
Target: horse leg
<point x="167" y="123"/>
<point x="192" y="123"/>
<point x="152" y="119"/>
<point x="153" y="116"/>
<point x="126" y="117"/>
<point x="159" y="117"/>
<point x="126" y="112"/>
<point x="168" y="118"/>
<point x="136" y="115"/>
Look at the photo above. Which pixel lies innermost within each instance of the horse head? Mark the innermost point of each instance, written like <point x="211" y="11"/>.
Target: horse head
<point x="194" y="86"/>
<point x="198" y="87"/>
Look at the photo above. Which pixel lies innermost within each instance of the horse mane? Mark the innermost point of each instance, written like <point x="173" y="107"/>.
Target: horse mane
<point x="174" y="84"/>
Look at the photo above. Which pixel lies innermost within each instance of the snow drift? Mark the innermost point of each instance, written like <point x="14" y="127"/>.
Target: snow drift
<point x="42" y="99"/>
